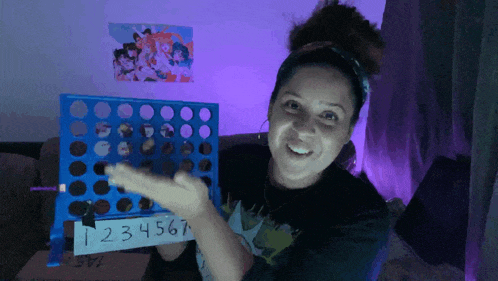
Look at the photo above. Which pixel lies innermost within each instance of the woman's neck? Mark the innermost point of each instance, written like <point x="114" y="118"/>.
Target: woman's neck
<point x="281" y="182"/>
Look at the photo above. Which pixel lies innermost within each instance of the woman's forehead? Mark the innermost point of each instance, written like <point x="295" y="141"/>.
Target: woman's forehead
<point x="316" y="80"/>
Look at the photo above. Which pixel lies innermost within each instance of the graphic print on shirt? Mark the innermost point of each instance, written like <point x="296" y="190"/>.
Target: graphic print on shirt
<point x="258" y="234"/>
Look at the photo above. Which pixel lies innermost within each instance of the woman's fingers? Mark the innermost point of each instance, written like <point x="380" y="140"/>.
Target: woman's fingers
<point x="182" y="178"/>
<point x="141" y="181"/>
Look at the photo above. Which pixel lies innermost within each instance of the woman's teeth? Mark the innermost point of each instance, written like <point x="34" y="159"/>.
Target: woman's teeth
<point x="299" y="150"/>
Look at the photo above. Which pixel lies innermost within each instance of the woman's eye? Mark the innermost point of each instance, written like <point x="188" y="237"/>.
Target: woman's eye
<point x="330" y="116"/>
<point x="292" y="104"/>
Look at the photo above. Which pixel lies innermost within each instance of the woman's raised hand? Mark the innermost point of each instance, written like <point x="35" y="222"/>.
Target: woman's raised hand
<point x="184" y="195"/>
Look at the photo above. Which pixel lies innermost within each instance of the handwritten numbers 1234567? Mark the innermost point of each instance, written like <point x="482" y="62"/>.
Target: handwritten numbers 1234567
<point x="112" y="235"/>
<point x="171" y="229"/>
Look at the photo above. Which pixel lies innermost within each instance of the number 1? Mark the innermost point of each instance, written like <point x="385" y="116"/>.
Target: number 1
<point x="86" y="236"/>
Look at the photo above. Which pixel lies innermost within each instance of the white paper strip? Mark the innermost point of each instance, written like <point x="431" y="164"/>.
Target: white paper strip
<point x="123" y="234"/>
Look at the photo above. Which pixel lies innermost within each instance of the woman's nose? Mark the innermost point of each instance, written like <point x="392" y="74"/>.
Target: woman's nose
<point x="304" y="123"/>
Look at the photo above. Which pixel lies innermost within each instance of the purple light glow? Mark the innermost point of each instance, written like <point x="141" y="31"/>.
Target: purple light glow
<point x="43" y="188"/>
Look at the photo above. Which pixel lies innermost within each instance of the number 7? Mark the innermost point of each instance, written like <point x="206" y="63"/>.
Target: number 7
<point x="185" y="227"/>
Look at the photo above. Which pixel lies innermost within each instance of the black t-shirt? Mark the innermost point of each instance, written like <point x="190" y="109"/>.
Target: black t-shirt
<point x="333" y="230"/>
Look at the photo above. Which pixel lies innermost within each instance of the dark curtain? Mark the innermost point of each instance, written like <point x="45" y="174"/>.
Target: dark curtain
<point x="436" y="96"/>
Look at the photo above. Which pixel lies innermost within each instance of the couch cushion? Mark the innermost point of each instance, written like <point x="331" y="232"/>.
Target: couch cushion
<point x="17" y="203"/>
<point x="20" y="225"/>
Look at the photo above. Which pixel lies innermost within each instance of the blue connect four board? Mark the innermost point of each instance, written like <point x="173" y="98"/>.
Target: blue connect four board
<point x="158" y="135"/>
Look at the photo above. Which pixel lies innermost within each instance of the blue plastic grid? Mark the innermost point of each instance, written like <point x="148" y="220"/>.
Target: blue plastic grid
<point x="85" y="183"/>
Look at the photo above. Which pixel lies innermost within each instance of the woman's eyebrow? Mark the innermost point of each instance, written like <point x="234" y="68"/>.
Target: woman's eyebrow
<point x="324" y="103"/>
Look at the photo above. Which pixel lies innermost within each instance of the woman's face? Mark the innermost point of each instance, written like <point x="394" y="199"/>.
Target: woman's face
<point x="311" y="116"/>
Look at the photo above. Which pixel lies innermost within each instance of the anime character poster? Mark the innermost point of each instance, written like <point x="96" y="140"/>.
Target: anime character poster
<point x="157" y="53"/>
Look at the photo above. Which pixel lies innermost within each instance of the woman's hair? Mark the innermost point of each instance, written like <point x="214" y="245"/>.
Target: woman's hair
<point x="347" y="30"/>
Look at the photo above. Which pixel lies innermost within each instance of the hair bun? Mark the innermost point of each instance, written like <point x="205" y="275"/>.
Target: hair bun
<point x="347" y="28"/>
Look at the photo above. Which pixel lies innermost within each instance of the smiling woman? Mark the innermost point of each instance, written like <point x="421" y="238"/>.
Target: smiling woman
<point x="299" y="214"/>
<point x="305" y="136"/>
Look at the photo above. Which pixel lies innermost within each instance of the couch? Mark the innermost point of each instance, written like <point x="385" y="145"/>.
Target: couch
<point x="26" y="217"/>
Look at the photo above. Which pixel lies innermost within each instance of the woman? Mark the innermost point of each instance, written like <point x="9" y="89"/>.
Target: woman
<point x="293" y="213"/>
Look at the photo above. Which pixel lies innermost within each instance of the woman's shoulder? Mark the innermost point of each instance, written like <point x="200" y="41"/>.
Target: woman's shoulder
<point x="355" y="194"/>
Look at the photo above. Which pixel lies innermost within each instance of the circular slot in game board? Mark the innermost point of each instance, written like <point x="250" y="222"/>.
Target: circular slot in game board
<point x="168" y="168"/>
<point x="78" y="109"/>
<point x="204" y="131"/>
<point x="167" y="113"/>
<point x="77" y="168"/>
<point x="125" y="130"/>
<point x="78" y="208"/>
<point x="207" y="181"/>
<point x="103" y="129"/>
<point x="186" y="113"/>
<point x="102" y="110"/>
<point x="148" y="147"/>
<point x="205" y="165"/>
<point x="78" y="129"/>
<point x="187" y="165"/>
<point x="186" y="131"/>
<point x="205" y="148"/>
<point x="146" y="112"/>
<point x="167" y="148"/>
<point x="147" y="165"/>
<point x="77" y="148"/>
<point x="125" y="111"/>
<point x="186" y="149"/>
<point x="99" y="168"/>
<point x="124" y="205"/>
<point x="146" y="130"/>
<point x="77" y="188"/>
<point x="167" y="131"/>
<point x="102" y="148"/>
<point x="205" y="114"/>
<point x="125" y="148"/>
<point x="101" y="207"/>
<point x="145" y="203"/>
<point x="101" y="187"/>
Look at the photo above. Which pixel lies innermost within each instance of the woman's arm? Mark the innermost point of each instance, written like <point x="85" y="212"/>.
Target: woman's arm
<point x="225" y="256"/>
<point x="170" y="252"/>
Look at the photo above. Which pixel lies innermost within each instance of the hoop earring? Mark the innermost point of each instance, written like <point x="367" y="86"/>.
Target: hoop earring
<point x="259" y="133"/>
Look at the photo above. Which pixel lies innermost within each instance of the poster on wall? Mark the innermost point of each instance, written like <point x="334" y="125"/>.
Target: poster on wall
<point x="155" y="53"/>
